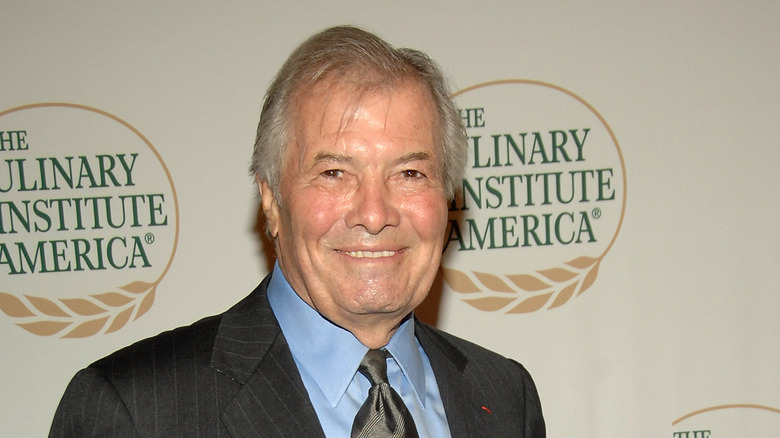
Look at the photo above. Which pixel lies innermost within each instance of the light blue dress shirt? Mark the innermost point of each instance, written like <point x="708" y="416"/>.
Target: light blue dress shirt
<point x="328" y="358"/>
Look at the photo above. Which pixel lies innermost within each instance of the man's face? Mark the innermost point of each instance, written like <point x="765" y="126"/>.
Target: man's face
<point x="363" y="212"/>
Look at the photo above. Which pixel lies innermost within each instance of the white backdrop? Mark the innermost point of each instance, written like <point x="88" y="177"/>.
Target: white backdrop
<point x="684" y="313"/>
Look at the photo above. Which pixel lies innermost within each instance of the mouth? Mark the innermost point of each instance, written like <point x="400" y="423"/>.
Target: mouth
<point x="369" y="254"/>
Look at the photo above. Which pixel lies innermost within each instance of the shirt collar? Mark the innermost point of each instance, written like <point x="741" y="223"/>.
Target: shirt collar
<point x="331" y="354"/>
<point x="407" y="353"/>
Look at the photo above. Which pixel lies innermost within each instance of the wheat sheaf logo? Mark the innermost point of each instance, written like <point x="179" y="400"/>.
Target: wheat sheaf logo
<point x="88" y="220"/>
<point x="542" y="201"/>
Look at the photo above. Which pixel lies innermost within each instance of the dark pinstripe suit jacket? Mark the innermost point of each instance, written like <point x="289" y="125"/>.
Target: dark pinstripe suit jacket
<point x="232" y="375"/>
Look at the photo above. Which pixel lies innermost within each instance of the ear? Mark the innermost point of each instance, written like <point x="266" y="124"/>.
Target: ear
<point x="270" y="208"/>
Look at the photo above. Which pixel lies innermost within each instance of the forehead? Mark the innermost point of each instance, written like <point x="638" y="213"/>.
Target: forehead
<point x="328" y="115"/>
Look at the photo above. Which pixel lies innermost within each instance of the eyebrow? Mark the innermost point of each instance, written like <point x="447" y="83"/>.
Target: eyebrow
<point x="331" y="157"/>
<point x="338" y="158"/>
<point x="414" y="156"/>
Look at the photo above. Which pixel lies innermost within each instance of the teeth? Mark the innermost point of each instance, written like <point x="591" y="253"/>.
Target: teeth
<point x="369" y="254"/>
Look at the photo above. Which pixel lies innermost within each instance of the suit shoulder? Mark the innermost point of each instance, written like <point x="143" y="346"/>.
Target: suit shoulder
<point x="501" y="382"/>
<point x="148" y="378"/>
<point x="190" y="345"/>
<point x="473" y="358"/>
<point x="466" y="347"/>
<point x="155" y="386"/>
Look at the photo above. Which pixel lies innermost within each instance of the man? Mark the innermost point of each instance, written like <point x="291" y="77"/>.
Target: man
<point x="359" y="148"/>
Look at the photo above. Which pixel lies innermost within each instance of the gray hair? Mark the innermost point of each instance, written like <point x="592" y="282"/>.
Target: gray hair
<point x="364" y="62"/>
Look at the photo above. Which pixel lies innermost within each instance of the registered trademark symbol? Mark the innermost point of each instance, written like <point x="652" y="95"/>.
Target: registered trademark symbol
<point x="596" y="213"/>
<point x="149" y="238"/>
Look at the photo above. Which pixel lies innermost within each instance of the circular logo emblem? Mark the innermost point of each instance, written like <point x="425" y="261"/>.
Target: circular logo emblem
<point x="88" y="220"/>
<point x="747" y="420"/>
<point x="542" y="201"/>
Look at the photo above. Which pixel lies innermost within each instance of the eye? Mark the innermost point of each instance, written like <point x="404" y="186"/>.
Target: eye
<point x="412" y="174"/>
<point x="332" y="173"/>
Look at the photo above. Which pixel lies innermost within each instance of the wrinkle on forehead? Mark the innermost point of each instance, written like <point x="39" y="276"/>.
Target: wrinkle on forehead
<point x="347" y="97"/>
<point x="353" y="110"/>
<point x="352" y="90"/>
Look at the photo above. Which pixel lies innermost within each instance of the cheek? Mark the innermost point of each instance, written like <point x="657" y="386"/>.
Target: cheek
<point x="312" y="216"/>
<point x="429" y="216"/>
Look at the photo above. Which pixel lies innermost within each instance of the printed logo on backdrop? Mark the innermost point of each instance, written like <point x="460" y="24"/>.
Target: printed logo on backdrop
<point x="542" y="201"/>
<point x="737" y="420"/>
<point x="88" y="220"/>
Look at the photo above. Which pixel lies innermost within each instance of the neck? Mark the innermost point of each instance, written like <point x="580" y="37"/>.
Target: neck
<point x="376" y="332"/>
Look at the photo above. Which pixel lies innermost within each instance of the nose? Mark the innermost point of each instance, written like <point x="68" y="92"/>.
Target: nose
<point x="373" y="206"/>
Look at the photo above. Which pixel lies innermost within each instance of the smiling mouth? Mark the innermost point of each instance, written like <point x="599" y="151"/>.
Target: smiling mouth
<point x="369" y="254"/>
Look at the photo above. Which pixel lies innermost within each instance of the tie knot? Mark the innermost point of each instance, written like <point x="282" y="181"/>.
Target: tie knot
<point x="374" y="366"/>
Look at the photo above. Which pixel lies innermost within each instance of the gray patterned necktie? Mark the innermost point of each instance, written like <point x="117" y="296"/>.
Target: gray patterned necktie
<point x="384" y="414"/>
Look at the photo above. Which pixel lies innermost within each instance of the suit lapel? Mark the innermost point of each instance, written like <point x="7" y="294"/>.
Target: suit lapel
<point x="251" y="350"/>
<point x="461" y="397"/>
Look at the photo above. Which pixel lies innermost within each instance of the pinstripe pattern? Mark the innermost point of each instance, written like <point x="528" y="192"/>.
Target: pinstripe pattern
<point x="232" y="375"/>
<point x="484" y="394"/>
